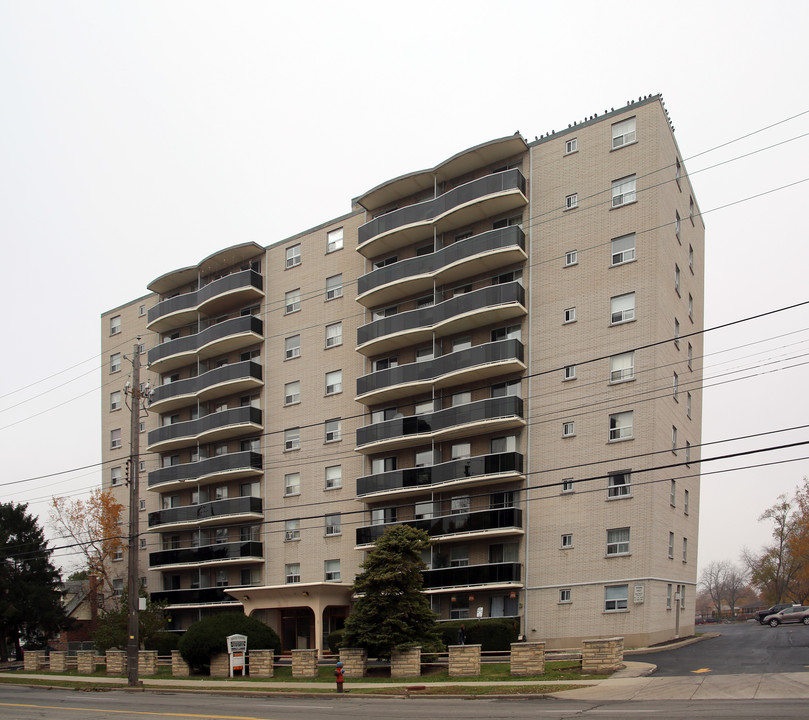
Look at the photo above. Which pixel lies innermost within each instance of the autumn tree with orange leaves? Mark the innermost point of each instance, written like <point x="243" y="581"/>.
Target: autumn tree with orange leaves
<point x="94" y="525"/>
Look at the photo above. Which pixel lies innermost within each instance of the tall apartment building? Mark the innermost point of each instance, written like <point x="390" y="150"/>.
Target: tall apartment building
<point x="504" y="350"/>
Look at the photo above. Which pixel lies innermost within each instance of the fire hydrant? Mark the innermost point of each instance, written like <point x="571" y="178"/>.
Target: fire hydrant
<point x="338" y="675"/>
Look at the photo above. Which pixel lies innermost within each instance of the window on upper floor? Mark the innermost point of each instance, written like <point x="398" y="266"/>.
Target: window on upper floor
<point x="511" y="332"/>
<point x="115" y="362"/>
<point x="461" y="451"/>
<point x="115" y="324"/>
<point x="567" y="485"/>
<point x="571" y="201"/>
<point x="292" y="347"/>
<point x="334" y="287"/>
<point x="331" y="570"/>
<point x="622" y="308"/>
<point x="571" y="145"/>
<point x="292" y="301"/>
<point x="569" y="315"/>
<point x="619" y="484"/>
<point x="622" y="249"/>
<point x="293" y="256"/>
<point x="507" y="443"/>
<point x="623" y="191"/>
<point x="618" y="541"/>
<point x="571" y="258"/>
<point x="616" y="598"/>
<point x="334" y="477"/>
<point x="141" y="310"/>
<point x="115" y="400"/>
<point x="334" y="524"/>
<point x="292" y="392"/>
<point x="569" y="372"/>
<point x="334" y="334"/>
<point x="567" y="541"/>
<point x="333" y="430"/>
<point x="621" y="425"/>
<point x="671" y="545"/>
<point x="622" y="367"/>
<point x="292" y="529"/>
<point x="292" y="573"/>
<point x="292" y="439"/>
<point x="116" y="476"/>
<point x="334" y="382"/>
<point x="459" y="556"/>
<point x="115" y="439"/>
<point x="381" y="516"/>
<point x="623" y="133"/>
<point x="676" y="278"/>
<point x="568" y="429"/>
<point x="674" y="439"/>
<point x="334" y="240"/>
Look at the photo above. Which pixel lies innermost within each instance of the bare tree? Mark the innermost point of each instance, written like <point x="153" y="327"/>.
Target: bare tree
<point x="734" y="585"/>
<point x="712" y="580"/>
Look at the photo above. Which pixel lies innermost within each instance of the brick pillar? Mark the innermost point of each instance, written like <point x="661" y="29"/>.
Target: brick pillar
<point x="406" y="663"/>
<point x="86" y="662"/>
<point x="304" y="663"/>
<point x="464" y="660"/>
<point x="220" y="665"/>
<point x="600" y="656"/>
<point x="58" y="661"/>
<point x="355" y="661"/>
<point x="527" y="658"/>
<point x="33" y="660"/>
<point x="147" y="662"/>
<point x="261" y="663"/>
<point x="179" y="667"/>
<point x="116" y="662"/>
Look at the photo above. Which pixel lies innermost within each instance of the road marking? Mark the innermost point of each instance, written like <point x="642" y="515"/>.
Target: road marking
<point x="702" y="670"/>
<point x="131" y="712"/>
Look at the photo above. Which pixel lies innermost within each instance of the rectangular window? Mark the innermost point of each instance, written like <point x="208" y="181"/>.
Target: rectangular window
<point x="691" y="259"/>
<point x="116" y="476"/>
<point x="676" y="278"/>
<point x="690" y="356"/>
<point x="117" y="587"/>
<point x="115" y="439"/>
<point x="333" y="524"/>
<point x="292" y="573"/>
<point x="118" y="553"/>
<point x="675" y="386"/>
<point x="668" y="596"/>
<point x="685" y="550"/>
<point x="571" y="258"/>
<point x="292" y="483"/>
<point x="462" y="398"/>
<point x="425" y="510"/>
<point x="688" y="404"/>
<point x="568" y="429"/>
<point x="115" y="325"/>
<point x="571" y="201"/>
<point x="115" y="400"/>
<point x="331" y="570"/>
<point x="567" y="541"/>
<point x="292" y="529"/>
<point x="334" y="240"/>
<point x="503" y="552"/>
<point x="293" y="256"/>
<point x="292" y="301"/>
<point x="380" y="516"/>
<point x="571" y="146"/>
<point x="616" y="597"/>
<point x="674" y="439"/>
<point x="671" y="544"/>
<point x="334" y="287"/>
<point x="333" y="429"/>
<point x="570" y="372"/>
<point x="687" y="452"/>
<point x="292" y="439"/>
<point x="334" y="334"/>
<point x="459" y="608"/>
<point x="567" y="485"/>
<point x="690" y="307"/>
<point x="459" y="556"/>
<point x="623" y="133"/>
<point x="678" y="170"/>
<point x="503" y="444"/>
<point x="622" y="249"/>
<point x="512" y="332"/>
<point x="677" y="225"/>
<point x="386" y="464"/>
<point x="619" y="484"/>
<point x="292" y="347"/>
<point x="460" y="504"/>
<point x="292" y="392"/>
<point x="622" y="308"/>
<point x="622" y="367"/>
<point x="334" y="477"/>
<point x="623" y="191"/>
<point x="461" y="451"/>
<point x="512" y="388"/>
<point x="621" y="425"/>
<point x="334" y="382"/>
<point x="384" y="312"/>
<point x="564" y="595"/>
<point x="691" y="209"/>
<point x="618" y="541"/>
<point x="141" y="504"/>
<point x="673" y="493"/>
<point x="141" y="310"/>
<point x="569" y="315"/>
<point x="115" y="362"/>
<point x="685" y="502"/>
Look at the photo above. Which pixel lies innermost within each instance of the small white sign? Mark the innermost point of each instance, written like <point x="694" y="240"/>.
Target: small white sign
<point x="640" y="593"/>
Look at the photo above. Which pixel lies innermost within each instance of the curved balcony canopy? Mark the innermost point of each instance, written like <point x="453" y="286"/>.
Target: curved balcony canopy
<point x="218" y="339"/>
<point x="473" y="364"/>
<point x="466" y="161"/>
<point x="502" y="521"/>
<point x="475" y="418"/>
<point x="488" y="575"/>
<point x="215" y="427"/>
<point x="234" y="290"/>
<point x="220" y="468"/>
<point x="479" y="470"/>
<point x="488" y="305"/>
<point x="221" y="554"/>
<point x="192" y="597"/>
<point x="471" y="202"/>
<point x="219" y="382"/>
<point x="215" y="512"/>
<point x="481" y="253"/>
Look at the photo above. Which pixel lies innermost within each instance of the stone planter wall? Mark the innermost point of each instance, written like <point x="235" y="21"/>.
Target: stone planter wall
<point x="58" y="661"/>
<point x="86" y="662"/>
<point x="304" y="663"/>
<point x="406" y="663"/>
<point x="260" y="663"/>
<point x="147" y="662"/>
<point x="116" y="662"/>
<point x="355" y="661"/>
<point x="33" y="660"/>
<point x="527" y="658"/>
<point x="464" y="660"/>
<point x="179" y="667"/>
<point x="599" y="656"/>
<point x="220" y="666"/>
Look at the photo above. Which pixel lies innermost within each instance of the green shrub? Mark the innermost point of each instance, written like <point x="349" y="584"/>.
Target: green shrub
<point x="207" y="638"/>
<point x="335" y="640"/>
<point x="491" y="633"/>
<point x="163" y="642"/>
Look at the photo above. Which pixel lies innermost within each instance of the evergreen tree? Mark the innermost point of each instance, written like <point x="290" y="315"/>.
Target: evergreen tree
<point x="392" y="612"/>
<point x="112" y="630"/>
<point x="30" y="594"/>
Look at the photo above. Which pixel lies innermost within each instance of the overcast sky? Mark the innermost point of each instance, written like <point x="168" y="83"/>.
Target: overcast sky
<point x="136" y="138"/>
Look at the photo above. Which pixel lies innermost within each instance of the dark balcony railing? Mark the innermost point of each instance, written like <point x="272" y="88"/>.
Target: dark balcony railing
<point x="426" y="211"/>
<point x="481" y="465"/>
<point x="433" y="315"/>
<point x="449" y="524"/>
<point x="219" y="331"/>
<point x="431" y="370"/>
<point x="489" y="409"/>
<point x="191" y="386"/>
<point x="231" y="462"/>
<point x="234" y="281"/>
<point x="194" y="428"/>
<point x="206" y="553"/>
<point x="491" y="574"/>
<point x="206" y="511"/>
<point x="193" y="596"/>
<point x="489" y="241"/>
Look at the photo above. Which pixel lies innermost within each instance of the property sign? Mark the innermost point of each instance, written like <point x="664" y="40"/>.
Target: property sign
<point x="237" y="652"/>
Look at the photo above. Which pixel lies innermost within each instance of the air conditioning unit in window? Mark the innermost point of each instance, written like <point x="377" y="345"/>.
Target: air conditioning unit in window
<point x="293" y="353"/>
<point x="291" y="445"/>
<point x="332" y="389"/>
<point x="331" y="341"/>
<point x="289" y="399"/>
<point x="290" y="535"/>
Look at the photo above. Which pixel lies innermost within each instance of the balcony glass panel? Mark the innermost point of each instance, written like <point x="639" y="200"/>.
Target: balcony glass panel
<point x="206" y="511"/>
<point x="192" y="343"/>
<point x="210" y="466"/>
<point x="206" y="553"/>
<point x="193" y="596"/>
<point x="491" y="574"/>
<point x="207" y="424"/>
<point x="220" y="375"/>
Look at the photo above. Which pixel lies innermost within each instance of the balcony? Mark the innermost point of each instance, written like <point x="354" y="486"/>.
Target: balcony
<point x="479" y="470"/>
<point x="221" y="554"/>
<point x="220" y="468"/>
<point x="215" y="427"/>
<point x="226" y="380"/>
<point x="475" y="418"/>
<point x="234" y="290"/>
<point x="486" y="252"/>
<point x="493" y="304"/>
<point x="473" y="364"/>
<point x="468" y="203"/>
<point x="210" y="513"/>
<point x="500" y="574"/>
<point x="503" y="521"/>
<point x="217" y="339"/>
<point x="194" y="596"/>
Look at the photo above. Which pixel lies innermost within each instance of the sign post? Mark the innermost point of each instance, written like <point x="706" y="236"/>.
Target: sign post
<point x="237" y="653"/>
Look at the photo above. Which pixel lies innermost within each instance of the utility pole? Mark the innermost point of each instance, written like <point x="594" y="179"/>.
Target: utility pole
<point x="133" y="643"/>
